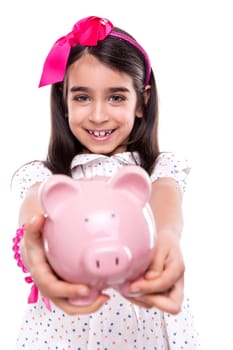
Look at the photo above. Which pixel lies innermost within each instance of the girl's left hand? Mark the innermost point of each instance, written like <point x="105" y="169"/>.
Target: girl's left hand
<point x="163" y="284"/>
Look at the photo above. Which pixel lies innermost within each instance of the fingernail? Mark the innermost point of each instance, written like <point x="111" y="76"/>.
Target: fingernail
<point x="83" y="291"/>
<point x="152" y="274"/>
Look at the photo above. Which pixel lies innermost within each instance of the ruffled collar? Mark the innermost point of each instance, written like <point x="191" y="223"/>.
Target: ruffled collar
<point x="124" y="157"/>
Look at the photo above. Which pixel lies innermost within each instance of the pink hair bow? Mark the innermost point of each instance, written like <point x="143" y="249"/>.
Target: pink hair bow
<point x="88" y="31"/>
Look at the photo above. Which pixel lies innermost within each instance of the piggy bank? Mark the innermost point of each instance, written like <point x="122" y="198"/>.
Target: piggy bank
<point x="99" y="231"/>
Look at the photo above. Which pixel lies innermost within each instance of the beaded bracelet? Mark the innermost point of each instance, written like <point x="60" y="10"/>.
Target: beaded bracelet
<point x="33" y="296"/>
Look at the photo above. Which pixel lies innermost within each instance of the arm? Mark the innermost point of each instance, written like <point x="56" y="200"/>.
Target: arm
<point x="166" y="204"/>
<point x="33" y="255"/>
<point x="30" y="206"/>
<point x="162" y="286"/>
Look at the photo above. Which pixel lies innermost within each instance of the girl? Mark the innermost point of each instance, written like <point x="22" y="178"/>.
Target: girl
<point x="104" y="115"/>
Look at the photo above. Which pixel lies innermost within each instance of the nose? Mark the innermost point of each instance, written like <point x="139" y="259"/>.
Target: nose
<point x="98" y="113"/>
<point x="108" y="261"/>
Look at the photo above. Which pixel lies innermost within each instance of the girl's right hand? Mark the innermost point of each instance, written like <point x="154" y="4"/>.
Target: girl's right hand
<point x="56" y="290"/>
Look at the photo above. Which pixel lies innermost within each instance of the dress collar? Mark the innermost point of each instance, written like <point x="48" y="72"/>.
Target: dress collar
<point x="124" y="157"/>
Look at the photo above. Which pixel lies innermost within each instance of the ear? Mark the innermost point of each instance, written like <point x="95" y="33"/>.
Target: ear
<point x="54" y="192"/>
<point x="146" y="96"/>
<point x="133" y="180"/>
<point x="146" y="93"/>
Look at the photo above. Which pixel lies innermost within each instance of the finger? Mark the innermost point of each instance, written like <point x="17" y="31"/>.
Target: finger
<point x="173" y="272"/>
<point x="32" y="229"/>
<point x="157" y="265"/>
<point x="170" y="302"/>
<point x="52" y="287"/>
<point x="72" y="309"/>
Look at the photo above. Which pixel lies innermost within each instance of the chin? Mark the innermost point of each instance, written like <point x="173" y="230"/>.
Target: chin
<point x="104" y="150"/>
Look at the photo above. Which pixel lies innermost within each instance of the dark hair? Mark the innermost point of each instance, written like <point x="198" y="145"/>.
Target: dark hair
<point x="119" y="55"/>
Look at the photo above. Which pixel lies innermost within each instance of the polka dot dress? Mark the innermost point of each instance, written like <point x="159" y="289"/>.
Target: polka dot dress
<point x="119" y="324"/>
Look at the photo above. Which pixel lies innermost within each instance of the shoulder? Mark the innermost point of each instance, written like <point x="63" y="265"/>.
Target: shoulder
<point x="27" y="175"/>
<point x="173" y="165"/>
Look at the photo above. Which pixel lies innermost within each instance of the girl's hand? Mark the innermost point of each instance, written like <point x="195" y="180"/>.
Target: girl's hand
<point x="50" y="286"/>
<point x="163" y="284"/>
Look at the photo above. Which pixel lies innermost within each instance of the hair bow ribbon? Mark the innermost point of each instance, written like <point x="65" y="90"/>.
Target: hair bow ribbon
<point x="88" y="31"/>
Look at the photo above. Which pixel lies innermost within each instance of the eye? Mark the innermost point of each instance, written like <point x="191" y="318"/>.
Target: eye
<point x="81" y="98"/>
<point x="86" y="219"/>
<point x="117" y="98"/>
<point x="113" y="215"/>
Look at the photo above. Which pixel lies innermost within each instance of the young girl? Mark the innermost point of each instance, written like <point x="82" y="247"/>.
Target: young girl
<point x="104" y="115"/>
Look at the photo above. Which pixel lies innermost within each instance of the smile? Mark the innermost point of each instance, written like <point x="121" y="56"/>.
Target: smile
<point x="100" y="133"/>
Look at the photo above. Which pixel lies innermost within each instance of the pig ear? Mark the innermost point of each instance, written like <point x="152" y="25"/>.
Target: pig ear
<point x="55" y="190"/>
<point x="133" y="180"/>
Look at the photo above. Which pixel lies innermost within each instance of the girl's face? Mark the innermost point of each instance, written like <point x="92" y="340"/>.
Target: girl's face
<point x="102" y="105"/>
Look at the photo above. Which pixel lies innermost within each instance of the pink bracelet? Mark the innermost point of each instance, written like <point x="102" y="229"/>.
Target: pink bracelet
<point x="33" y="296"/>
<point x="17" y="256"/>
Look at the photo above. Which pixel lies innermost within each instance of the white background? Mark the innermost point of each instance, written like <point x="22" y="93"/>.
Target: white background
<point x="190" y="46"/>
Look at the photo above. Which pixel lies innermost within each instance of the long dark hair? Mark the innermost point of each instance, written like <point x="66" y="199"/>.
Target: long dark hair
<point x="119" y="55"/>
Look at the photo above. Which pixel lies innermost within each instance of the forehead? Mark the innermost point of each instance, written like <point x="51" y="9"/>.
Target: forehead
<point x="89" y="71"/>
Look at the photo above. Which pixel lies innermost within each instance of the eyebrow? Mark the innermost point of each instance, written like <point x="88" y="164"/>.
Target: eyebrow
<point x="110" y="90"/>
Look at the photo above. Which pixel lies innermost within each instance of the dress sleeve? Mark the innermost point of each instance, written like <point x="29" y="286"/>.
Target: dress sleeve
<point x="28" y="175"/>
<point x="170" y="165"/>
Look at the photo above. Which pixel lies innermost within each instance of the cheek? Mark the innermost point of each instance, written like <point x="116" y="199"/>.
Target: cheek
<point x="75" y="115"/>
<point x="127" y="114"/>
<point x="74" y="122"/>
<point x="75" y="111"/>
<point x="130" y="117"/>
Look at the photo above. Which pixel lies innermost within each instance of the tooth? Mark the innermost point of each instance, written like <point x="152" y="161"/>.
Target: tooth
<point x="100" y="133"/>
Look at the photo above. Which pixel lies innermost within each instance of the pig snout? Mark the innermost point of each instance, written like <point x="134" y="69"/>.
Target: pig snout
<point x="108" y="260"/>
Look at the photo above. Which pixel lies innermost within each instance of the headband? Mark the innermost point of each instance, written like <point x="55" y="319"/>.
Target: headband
<point x="87" y="32"/>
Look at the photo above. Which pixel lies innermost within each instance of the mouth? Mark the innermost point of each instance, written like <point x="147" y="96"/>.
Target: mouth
<point x="100" y="133"/>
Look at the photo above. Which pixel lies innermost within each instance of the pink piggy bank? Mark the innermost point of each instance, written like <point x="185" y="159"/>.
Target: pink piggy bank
<point x="100" y="231"/>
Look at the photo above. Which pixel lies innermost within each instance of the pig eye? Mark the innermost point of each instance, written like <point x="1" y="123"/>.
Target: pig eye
<point x="113" y="215"/>
<point x="86" y="219"/>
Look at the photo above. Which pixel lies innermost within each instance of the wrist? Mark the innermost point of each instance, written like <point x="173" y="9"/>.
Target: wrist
<point x="169" y="234"/>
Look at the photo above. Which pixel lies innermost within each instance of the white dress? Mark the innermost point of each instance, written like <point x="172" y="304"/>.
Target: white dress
<point x="118" y="325"/>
